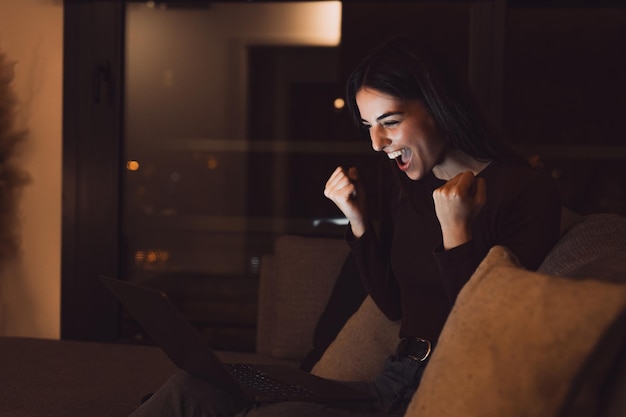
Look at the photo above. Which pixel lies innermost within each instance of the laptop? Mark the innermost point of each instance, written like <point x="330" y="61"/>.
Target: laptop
<point x="189" y="351"/>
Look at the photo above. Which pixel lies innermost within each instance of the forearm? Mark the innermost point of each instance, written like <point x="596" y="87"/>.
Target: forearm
<point x="375" y="272"/>
<point x="456" y="266"/>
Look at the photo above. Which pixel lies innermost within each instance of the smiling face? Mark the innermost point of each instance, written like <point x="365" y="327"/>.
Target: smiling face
<point x="403" y="129"/>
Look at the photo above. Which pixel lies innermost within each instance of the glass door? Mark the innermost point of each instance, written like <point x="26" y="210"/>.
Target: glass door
<point x="231" y="128"/>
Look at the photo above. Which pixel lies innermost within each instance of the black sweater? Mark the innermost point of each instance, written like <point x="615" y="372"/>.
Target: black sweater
<point x="405" y="269"/>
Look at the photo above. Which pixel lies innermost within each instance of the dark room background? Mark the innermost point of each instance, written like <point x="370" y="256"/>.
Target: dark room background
<point x="191" y="142"/>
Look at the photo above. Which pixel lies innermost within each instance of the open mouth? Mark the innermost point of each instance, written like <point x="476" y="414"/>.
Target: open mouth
<point x="402" y="157"/>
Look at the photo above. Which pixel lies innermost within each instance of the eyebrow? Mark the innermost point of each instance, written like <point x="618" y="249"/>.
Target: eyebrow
<point x="384" y="116"/>
<point x="391" y="113"/>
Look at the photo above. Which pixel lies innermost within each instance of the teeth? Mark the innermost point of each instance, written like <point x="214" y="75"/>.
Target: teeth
<point x="394" y="155"/>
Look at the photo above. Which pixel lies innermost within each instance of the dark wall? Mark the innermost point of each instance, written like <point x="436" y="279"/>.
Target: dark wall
<point x="366" y="24"/>
<point x="561" y="96"/>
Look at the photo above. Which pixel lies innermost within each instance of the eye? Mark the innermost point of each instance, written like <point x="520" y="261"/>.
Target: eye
<point x="391" y="123"/>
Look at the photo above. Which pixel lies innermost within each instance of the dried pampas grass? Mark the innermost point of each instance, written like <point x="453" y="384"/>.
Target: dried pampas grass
<point x="12" y="176"/>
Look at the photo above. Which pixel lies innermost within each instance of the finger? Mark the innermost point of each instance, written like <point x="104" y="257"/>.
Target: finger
<point x="353" y="174"/>
<point x="454" y="187"/>
<point x="337" y="173"/>
<point x="339" y="186"/>
<point x="336" y="177"/>
<point x="481" y="191"/>
<point x="466" y="183"/>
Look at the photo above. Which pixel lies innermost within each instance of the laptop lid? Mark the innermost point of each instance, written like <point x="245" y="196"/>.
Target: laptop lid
<point x="171" y="330"/>
<point x="180" y="341"/>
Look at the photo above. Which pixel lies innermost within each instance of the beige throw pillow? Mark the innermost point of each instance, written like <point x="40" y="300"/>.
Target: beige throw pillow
<point x="359" y="351"/>
<point x="515" y="342"/>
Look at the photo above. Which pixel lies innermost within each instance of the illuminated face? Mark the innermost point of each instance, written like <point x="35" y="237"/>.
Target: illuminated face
<point x="403" y="129"/>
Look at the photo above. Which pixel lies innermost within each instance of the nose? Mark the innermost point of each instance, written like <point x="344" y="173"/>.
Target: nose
<point x="379" y="141"/>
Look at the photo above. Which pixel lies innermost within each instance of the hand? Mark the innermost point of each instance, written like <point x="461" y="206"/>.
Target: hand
<point x="344" y="189"/>
<point x="457" y="203"/>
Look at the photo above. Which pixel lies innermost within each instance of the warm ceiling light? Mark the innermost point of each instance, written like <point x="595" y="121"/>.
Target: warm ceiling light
<point x="326" y="19"/>
<point x="132" y="165"/>
<point x="211" y="162"/>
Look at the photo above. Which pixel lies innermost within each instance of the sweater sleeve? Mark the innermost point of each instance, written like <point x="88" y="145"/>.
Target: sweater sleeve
<point x="456" y="266"/>
<point x="375" y="272"/>
<point x="523" y="216"/>
<point x="372" y="250"/>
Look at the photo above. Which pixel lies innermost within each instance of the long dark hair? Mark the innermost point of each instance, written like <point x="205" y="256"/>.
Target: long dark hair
<point x="405" y="69"/>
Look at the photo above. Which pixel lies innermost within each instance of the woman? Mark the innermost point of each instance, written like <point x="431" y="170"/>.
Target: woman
<point x="448" y="192"/>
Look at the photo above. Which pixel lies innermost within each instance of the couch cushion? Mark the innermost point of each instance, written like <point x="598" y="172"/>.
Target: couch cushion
<point x="359" y="351"/>
<point x="516" y="342"/>
<point x="594" y="238"/>
<point x="305" y="271"/>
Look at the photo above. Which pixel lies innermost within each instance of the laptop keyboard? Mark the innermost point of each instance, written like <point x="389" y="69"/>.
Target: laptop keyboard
<point x="261" y="383"/>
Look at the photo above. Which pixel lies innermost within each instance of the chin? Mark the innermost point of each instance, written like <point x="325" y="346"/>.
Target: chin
<point x="414" y="175"/>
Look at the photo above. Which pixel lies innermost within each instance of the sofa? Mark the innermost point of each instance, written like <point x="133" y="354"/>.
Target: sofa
<point x="517" y="343"/>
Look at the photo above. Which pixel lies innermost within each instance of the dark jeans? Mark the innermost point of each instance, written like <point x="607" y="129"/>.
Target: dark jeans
<point x="185" y="396"/>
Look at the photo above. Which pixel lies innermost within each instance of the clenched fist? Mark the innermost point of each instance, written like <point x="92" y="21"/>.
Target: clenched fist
<point x="457" y="203"/>
<point x="344" y="189"/>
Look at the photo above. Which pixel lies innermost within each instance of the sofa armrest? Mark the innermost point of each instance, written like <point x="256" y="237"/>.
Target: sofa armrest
<point x="590" y="240"/>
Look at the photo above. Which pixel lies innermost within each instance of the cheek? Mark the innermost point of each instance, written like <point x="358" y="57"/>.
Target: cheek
<point x="435" y="142"/>
<point x="437" y="150"/>
<point x="429" y="143"/>
<point x="429" y="152"/>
